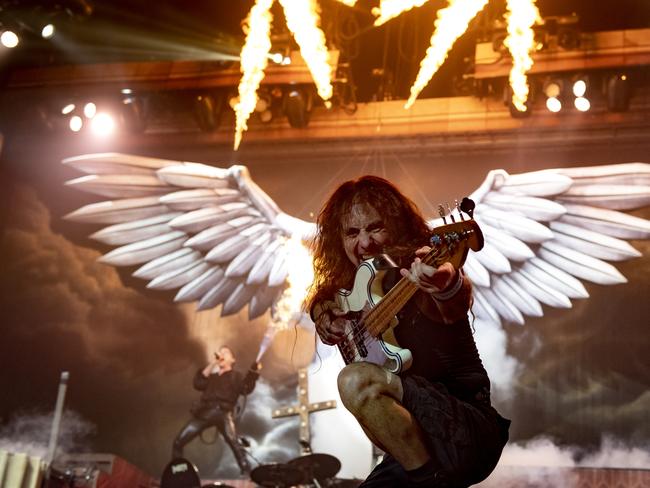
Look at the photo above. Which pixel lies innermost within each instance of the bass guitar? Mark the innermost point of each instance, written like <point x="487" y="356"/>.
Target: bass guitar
<point x="370" y="334"/>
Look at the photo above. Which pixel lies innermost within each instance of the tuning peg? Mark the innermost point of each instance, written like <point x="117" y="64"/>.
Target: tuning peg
<point x="441" y="211"/>
<point x="451" y="215"/>
<point x="457" y="205"/>
<point x="467" y="205"/>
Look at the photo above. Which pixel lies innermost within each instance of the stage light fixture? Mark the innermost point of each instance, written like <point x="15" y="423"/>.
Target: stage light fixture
<point x="102" y="124"/>
<point x="568" y="38"/>
<point x="296" y="107"/>
<point x="553" y="88"/>
<point x="9" y="39"/>
<point x="263" y="102"/>
<point x="619" y="91"/>
<point x="266" y="116"/>
<point x="90" y="109"/>
<point x="553" y="104"/>
<point x="68" y="109"/>
<point x="233" y="101"/>
<point x="133" y="114"/>
<point x="277" y="58"/>
<point x="47" y="31"/>
<point x="76" y="123"/>
<point x="514" y="111"/>
<point x="207" y="111"/>
<point x="582" y="104"/>
<point x="579" y="87"/>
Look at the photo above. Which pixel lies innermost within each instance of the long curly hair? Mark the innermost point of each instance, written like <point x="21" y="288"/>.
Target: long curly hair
<point x="405" y="224"/>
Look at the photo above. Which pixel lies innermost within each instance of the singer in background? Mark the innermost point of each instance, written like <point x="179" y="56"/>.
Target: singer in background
<point x="221" y="386"/>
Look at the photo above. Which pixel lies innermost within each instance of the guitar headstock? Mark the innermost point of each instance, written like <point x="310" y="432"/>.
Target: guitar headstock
<point x="451" y="242"/>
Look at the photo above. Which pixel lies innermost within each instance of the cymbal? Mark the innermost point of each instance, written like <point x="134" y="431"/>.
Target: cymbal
<point x="276" y="475"/>
<point x="317" y="465"/>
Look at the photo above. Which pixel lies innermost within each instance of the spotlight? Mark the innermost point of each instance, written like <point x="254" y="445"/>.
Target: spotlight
<point x="9" y="39"/>
<point x="579" y="87"/>
<point x="553" y="104"/>
<point x="263" y="102"/>
<point x="76" y="123"/>
<point x="619" y="91"/>
<point x="266" y="116"/>
<point x="277" y="58"/>
<point x="90" y="109"/>
<point x="553" y="88"/>
<point x="207" y="111"/>
<point x="102" y="125"/>
<point x="47" y="31"/>
<point x="296" y="107"/>
<point x="68" y="109"/>
<point x="133" y="114"/>
<point x="582" y="104"/>
<point x="554" y="91"/>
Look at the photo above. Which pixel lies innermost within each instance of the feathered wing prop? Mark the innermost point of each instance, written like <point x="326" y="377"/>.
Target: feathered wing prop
<point x="214" y="235"/>
<point x="545" y="231"/>
<point x="209" y="232"/>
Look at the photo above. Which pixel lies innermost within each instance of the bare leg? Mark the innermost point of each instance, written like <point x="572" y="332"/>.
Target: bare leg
<point x="374" y="397"/>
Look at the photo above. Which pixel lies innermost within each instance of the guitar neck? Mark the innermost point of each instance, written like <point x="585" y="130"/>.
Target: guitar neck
<point x="380" y="317"/>
<point x="450" y="243"/>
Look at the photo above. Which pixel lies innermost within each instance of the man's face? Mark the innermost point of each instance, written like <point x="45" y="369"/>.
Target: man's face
<point x="226" y="357"/>
<point x="364" y="234"/>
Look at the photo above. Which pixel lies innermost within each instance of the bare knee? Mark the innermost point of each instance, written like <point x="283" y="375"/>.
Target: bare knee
<point x="359" y="384"/>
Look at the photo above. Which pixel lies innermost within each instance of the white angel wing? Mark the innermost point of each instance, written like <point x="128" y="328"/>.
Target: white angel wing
<point x="546" y="231"/>
<point x="209" y="232"/>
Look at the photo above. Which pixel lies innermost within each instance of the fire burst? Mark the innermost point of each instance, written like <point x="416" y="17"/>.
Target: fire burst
<point x="300" y="278"/>
<point x="452" y="22"/>
<point x="303" y="19"/>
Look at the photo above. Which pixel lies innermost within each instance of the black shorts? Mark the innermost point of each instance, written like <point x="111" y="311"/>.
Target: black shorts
<point x="465" y="439"/>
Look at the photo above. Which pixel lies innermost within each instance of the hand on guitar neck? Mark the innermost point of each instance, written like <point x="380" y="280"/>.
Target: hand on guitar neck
<point x="428" y="278"/>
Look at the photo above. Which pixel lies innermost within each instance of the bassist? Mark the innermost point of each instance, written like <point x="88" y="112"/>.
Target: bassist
<point x="434" y="420"/>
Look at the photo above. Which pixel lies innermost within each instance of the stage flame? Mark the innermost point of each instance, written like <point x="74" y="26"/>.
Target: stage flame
<point x="521" y="17"/>
<point x="303" y="18"/>
<point x="254" y="58"/>
<point x="452" y="22"/>
<point x="389" y="9"/>
<point x="300" y="278"/>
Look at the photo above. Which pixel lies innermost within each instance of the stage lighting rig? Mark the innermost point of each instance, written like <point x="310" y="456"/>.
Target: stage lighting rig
<point x="9" y="38"/>
<point x="554" y="92"/>
<point x="619" y="90"/>
<point x="207" y="110"/>
<point x="297" y="106"/>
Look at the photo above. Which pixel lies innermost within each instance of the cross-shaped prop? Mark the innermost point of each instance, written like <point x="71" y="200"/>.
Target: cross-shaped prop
<point x="303" y="408"/>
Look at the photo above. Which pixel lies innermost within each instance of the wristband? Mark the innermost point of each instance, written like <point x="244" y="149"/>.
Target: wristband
<point x="446" y="295"/>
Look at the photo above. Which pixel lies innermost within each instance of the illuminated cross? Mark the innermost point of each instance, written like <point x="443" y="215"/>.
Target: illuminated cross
<point x="303" y="408"/>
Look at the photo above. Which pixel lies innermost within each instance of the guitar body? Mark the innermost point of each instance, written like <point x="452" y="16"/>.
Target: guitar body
<point x="366" y="293"/>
